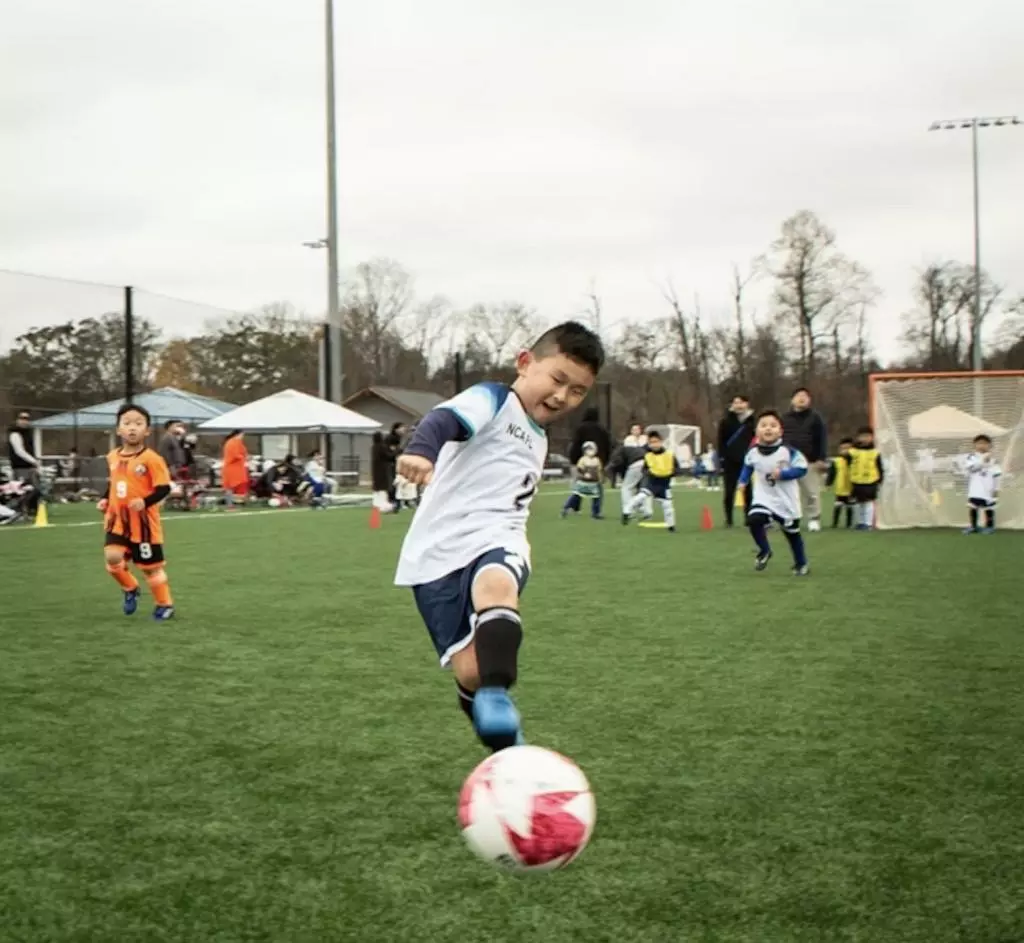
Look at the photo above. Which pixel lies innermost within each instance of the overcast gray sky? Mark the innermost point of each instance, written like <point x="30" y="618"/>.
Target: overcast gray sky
<point x="499" y="151"/>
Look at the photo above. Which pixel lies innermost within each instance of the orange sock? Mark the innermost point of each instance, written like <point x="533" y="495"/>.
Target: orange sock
<point x="159" y="587"/>
<point x="121" y="573"/>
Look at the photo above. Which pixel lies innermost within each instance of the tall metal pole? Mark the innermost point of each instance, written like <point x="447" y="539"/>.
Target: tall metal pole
<point x="956" y="124"/>
<point x="976" y="332"/>
<point x="129" y="345"/>
<point x="334" y="370"/>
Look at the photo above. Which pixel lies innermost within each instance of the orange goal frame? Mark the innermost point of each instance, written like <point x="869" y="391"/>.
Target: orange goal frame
<point x="875" y="378"/>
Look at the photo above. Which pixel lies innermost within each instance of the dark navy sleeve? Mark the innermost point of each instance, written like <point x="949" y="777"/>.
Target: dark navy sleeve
<point x="881" y="469"/>
<point x="439" y="427"/>
<point x="820" y="439"/>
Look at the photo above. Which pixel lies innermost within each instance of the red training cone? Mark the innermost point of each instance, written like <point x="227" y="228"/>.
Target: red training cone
<point x="375" y="518"/>
<point x="705" y="519"/>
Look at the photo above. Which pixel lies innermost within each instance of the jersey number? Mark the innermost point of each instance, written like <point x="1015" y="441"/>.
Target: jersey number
<point x="529" y="490"/>
<point x="121" y="489"/>
<point x="145" y="551"/>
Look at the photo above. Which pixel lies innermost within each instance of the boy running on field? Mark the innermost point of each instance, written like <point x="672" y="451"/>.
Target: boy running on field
<point x="138" y="482"/>
<point x="466" y="555"/>
<point x="776" y="469"/>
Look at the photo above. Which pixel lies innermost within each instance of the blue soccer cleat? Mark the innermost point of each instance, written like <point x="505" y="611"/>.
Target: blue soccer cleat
<point x="131" y="601"/>
<point x="163" y="613"/>
<point x="496" y="719"/>
<point x="761" y="561"/>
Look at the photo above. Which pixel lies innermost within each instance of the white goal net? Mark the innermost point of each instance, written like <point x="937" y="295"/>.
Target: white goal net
<point x="683" y="442"/>
<point x="925" y="425"/>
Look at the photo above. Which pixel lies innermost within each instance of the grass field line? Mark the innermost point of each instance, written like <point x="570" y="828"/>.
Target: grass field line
<point x="205" y="515"/>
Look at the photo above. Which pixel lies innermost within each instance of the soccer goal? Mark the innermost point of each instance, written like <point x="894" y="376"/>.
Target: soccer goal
<point x="925" y="424"/>
<point x="683" y="442"/>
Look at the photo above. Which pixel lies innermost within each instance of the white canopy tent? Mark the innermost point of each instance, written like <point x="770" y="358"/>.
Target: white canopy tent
<point x="278" y="418"/>
<point x="948" y="422"/>
<point x="292" y="413"/>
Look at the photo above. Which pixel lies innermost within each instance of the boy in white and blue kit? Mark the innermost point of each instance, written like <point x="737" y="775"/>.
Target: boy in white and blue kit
<point x="466" y="554"/>
<point x="983" y="475"/>
<point x="776" y="469"/>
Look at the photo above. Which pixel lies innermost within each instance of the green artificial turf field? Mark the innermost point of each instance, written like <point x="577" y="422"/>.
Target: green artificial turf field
<point x="774" y="759"/>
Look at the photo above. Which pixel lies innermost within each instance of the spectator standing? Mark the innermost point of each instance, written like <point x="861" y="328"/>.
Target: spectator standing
<point x="394" y="442"/>
<point x="234" y="474"/>
<point x="636" y="437"/>
<point x="709" y="462"/>
<point x="804" y="429"/>
<point x="25" y="464"/>
<point x="172" y="447"/>
<point x="735" y="433"/>
<point x="591" y="430"/>
<point x="382" y="475"/>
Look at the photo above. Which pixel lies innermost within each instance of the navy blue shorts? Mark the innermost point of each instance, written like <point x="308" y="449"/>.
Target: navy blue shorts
<point x="981" y="504"/>
<point x="660" y="488"/>
<point x="760" y="515"/>
<point x="446" y="605"/>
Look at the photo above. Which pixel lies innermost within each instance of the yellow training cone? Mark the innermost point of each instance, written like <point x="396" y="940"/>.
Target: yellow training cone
<point x="42" y="519"/>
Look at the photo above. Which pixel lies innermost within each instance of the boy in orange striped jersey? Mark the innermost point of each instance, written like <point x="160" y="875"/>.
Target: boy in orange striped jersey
<point x="139" y="481"/>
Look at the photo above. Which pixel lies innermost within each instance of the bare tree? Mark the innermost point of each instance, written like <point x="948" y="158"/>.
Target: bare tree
<point x="816" y="286"/>
<point x="432" y="330"/>
<point x="376" y="299"/>
<point x="938" y="331"/>
<point x="502" y="329"/>
<point x="686" y="328"/>
<point x="593" y="309"/>
<point x="739" y="284"/>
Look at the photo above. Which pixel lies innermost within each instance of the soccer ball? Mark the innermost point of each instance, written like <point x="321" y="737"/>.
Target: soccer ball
<point x="527" y="808"/>
<point x="274" y="502"/>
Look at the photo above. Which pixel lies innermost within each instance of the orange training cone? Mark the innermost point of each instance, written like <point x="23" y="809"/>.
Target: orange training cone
<point x="706" y="522"/>
<point x="375" y="518"/>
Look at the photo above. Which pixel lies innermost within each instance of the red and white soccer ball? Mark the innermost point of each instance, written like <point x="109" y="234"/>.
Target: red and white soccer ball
<point x="527" y="808"/>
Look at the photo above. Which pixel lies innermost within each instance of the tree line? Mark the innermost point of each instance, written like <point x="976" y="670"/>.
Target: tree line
<point x="678" y="366"/>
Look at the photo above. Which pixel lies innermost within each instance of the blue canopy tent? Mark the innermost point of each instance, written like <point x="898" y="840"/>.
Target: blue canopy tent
<point x="163" y="404"/>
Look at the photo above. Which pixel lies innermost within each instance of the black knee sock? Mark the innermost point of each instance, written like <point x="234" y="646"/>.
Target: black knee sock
<point x="849" y="515"/>
<point x="796" y="544"/>
<point x="499" y="633"/>
<point x="465" y="700"/>
<point x="974" y="518"/>
<point x="990" y="518"/>
<point x="836" y="512"/>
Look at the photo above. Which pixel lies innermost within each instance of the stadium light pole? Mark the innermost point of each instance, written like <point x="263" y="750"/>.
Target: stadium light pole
<point x="334" y="370"/>
<point x="963" y="124"/>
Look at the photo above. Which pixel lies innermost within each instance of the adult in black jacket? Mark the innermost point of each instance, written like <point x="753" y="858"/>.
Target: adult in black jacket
<point x="591" y="430"/>
<point x="804" y="428"/>
<point x="735" y="432"/>
<point x="381" y="463"/>
<point x="25" y="464"/>
<point x="394" y="442"/>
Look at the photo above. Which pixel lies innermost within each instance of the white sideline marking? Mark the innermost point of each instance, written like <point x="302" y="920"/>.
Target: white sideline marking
<point x="175" y="516"/>
<point x="200" y="515"/>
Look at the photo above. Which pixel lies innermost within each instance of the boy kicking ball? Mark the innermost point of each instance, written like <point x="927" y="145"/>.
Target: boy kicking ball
<point x="466" y="556"/>
<point x="776" y="469"/>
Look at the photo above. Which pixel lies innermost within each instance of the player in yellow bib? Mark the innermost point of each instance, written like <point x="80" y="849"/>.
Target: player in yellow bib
<point x="866" y="476"/>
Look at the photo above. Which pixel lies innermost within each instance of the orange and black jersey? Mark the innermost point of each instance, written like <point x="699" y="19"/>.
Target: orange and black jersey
<point x="134" y="476"/>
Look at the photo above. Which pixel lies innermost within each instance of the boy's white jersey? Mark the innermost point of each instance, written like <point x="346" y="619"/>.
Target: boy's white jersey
<point x="982" y="476"/>
<point x="479" y="496"/>
<point x="315" y="471"/>
<point x="780" y="498"/>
